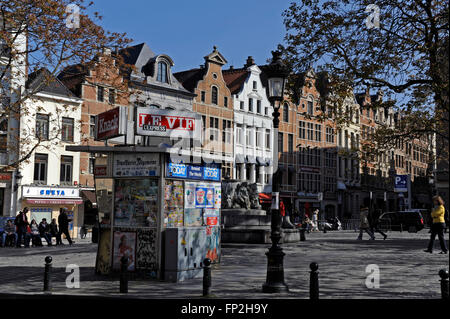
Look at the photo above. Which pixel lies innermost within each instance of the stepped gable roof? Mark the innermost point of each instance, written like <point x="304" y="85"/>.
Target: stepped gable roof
<point x="235" y="79"/>
<point x="72" y="77"/>
<point x="190" y="78"/>
<point x="43" y="81"/>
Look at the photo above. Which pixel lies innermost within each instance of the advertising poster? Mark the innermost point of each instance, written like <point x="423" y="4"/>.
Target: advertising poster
<point x="173" y="204"/>
<point x="200" y="195"/>
<point x="189" y="195"/>
<point x="124" y="245"/>
<point x="136" y="202"/>
<point x="217" y="196"/>
<point x="192" y="217"/>
<point x="211" y="216"/>
<point x="102" y="265"/>
<point x="213" y="243"/>
<point x="210" y="196"/>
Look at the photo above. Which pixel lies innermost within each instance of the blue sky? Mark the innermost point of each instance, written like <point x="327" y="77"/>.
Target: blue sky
<point x="188" y="30"/>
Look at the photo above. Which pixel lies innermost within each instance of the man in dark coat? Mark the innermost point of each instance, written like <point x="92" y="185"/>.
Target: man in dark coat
<point x="21" y="222"/>
<point x="374" y="221"/>
<point x="63" y="223"/>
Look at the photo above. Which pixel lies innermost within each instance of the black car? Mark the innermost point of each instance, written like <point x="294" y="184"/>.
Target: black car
<point x="402" y="221"/>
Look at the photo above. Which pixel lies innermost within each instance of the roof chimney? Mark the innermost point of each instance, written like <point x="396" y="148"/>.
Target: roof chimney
<point x="250" y="62"/>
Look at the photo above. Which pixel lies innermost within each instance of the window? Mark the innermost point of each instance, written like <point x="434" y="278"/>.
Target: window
<point x="310" y="131"/>
<point x="258" y="106"/>
<point x="291" y="144"/>
<point x="67" y="129"/>
<point x="214" y="95"/>
<point x="267" y="139"/>
<point x="318" y="132"/>
<point x="259" y="140"/>
<point x="225" y="101"/>
<point x="250" y="105"/>
<point x="255" y="85"/>
<point x="280" y="142"/>
<point x="214" y="128"/>
<point x="204" y="128"/>
<point x="226" y="131"/>
<point x="66" y="169"/>
<point x="92" y="125"/>
<point x="42" y="126"/>
<point x="330" y="135"/>
<point x="100" y="93"/>
<point x="310" y="108"/>
<point x="162" y="72"/>
<point x="3" y="133"/>
<point x="241" y="105"/>
<point x="248" y="132"/>
<point x="91" y="164"/>
<point x="203" y="96"/>
<point x="286" y="112"/>
<point x="112" y="96"/>
<point x="266" y="111"/>
<point x="40" y="168"/>
<point x="239" y="134"/>
<point x="301" y="130"/>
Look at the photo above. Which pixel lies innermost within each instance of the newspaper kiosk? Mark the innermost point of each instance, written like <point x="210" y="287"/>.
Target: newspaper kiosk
<point x="163" y="216"/>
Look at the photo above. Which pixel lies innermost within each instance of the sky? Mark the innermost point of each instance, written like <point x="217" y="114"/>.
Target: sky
<point x="188" y="30"/>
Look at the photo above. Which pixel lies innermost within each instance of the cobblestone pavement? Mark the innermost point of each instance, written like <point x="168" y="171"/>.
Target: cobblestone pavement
<point x="405" y="270"/>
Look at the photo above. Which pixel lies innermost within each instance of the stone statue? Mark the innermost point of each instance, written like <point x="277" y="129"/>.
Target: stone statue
<point x="254" y="196"/>
<point x="236" y="194"/>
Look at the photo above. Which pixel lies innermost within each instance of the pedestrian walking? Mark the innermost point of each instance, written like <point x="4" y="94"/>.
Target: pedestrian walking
<point x="54" y="232"/>
<point x="364" y="223"/>
<point x="437" y="228"/>
<point x="315" y="220"/>
<point x="374" y="222"/>
<point x="21" y="223"/>
<point x="63" y="222"/>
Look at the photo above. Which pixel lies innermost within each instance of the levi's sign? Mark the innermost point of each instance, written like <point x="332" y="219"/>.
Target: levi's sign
<point x="111" y="123"/>
<point x="168" y="123"/>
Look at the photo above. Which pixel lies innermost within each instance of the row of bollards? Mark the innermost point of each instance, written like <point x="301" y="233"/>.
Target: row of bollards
<point x="207" y="278"/>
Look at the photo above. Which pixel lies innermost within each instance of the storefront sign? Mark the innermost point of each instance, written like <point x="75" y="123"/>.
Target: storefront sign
<point x="100" y="171"/>
<point x="5" y="176"/>
<point x="50" y="192"/>
<point x="126" y="165"/>
<point x="154" y="122"/>
<point x="111" y="123"/>
<point x="207" y="173"/>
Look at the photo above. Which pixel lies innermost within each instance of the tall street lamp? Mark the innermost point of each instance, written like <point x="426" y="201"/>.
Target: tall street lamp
<point x="277" y="74"/>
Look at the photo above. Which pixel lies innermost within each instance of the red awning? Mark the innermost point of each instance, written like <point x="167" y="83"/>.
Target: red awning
<point x="54" y="201"/>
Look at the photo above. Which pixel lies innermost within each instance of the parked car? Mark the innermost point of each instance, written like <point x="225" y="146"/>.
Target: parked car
<point x="402" y="221"/>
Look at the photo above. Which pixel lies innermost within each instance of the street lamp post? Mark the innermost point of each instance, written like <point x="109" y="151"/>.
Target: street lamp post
<point x="277" y="74"/>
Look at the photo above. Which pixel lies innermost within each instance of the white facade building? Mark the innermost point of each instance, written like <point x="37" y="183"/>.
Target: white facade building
<point x="253" y="134"/>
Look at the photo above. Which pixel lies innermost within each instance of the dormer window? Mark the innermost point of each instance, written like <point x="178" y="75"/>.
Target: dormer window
<point x="162" y="72"/>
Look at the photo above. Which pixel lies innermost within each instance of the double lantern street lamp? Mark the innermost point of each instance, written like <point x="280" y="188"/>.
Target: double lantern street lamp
<point x="277" y="74"/>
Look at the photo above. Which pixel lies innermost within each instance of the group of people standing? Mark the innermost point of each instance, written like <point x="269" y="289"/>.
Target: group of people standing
<point x="24" y="232"/>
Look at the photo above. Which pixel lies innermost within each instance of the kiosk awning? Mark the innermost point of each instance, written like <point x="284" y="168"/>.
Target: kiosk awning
<point x="240" y="159"/>
<point x="48" y="201"/>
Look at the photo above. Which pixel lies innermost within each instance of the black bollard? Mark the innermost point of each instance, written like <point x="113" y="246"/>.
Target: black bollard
<point x="206" y="277"/>
<point x="47" y="272"/>
<point x="123" y="274"/>
<point x="314" y="282"/>
<point x="444" y="283"/>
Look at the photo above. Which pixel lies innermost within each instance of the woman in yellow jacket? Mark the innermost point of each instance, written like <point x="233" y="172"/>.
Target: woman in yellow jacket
<point x="437" y="228"/>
